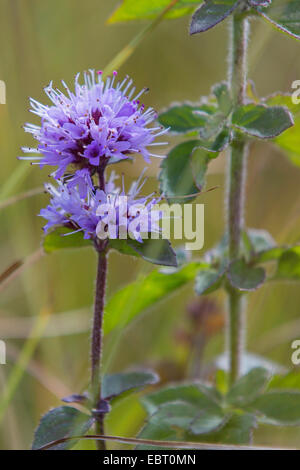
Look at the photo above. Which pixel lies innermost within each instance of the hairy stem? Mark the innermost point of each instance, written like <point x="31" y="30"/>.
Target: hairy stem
<point x="236" y="183"/>
<point x="96" y="349"/>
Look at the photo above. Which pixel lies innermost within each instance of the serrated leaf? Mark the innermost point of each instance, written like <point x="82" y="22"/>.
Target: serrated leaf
<point x="210" y="13"/>
<point x="63" y="238"/>
<point x="144" y="293"/>
<point x="248" y="387"/>
<point x="155" y="251"/>
<point x="182" y="171"/>
<point x="191" y="393"/>
<point x="289" y="264"/>
<point x="114" y="385"/>
<point x="208" y="423"/>
<point x="284" y="15"/>
<point x="177" y="413"/>
<point x="208" y="280"/>
<point x="58" y="423"/>
<point x="238" y="430"/>
<point x="244" y="277"/>
<point x="182" y="118"/>
<point x="279" y="408"/>
<point x="188" y="417"/>
<point x="261" y="121"/>
<point x="148" y="9"/>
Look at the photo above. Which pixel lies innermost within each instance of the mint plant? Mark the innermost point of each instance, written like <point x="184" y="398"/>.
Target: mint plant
<point x="231" y="118"/>
<point x="81" y="134"/>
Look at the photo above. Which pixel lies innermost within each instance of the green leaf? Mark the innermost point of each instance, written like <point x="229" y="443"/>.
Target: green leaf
<point x="290" y="381"/>
<point x="182" y="118"/>
<point x="208" y="280"/>
<point x="182" y="172"/>
<point x="159" y="432"/>
<point x="199" y="162"/>
<point x="188" y="417"/>
<point x="261" y="121"/>
<point x="191" y="393"/>
<point x="289" y="264"/>
<point x="210" y="13"/>
<point x="270" y="255"/>
<point x="155" y="251"/>
<point x="58" y="423"/>
<point x="238" y="430"/>
<point x="177" y="413"/>
<point x="279" y="408"/>
<point x="221" y="92"/>
<point x="219" y="142"/>
<point x="289" y="141"/>
<point x="60" y="239"/>
<point x="149" y="9"/>
<point x="214" y="127"/>
<point x="133" y="299"/>
<point x="245" y="277"/>
<point x="260" y="240"/>
<point x="284" y="15"/>
<point x="248" y="387"/>
<point x="114" y="385"/>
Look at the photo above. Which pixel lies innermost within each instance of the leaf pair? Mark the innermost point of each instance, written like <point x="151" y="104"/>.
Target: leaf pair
<point x="182" y="410"/>
<point x="228" y="415"/>
<point x="66" y="421"/>
<point x="241" y="276"/>
<point x="197" y="411"/>
<point x="155" y="251"/>
<point x="246" y="274"/>
<point x="283" y="14"/>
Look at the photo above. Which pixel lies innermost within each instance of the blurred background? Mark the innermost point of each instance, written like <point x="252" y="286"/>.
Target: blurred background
<point x="53" y="40"/>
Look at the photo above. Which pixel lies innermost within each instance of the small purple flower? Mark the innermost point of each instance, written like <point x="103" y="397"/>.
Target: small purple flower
<point x="99" y="123"/>
<point x="101" y="214"/>
<point x="81" y="179"/>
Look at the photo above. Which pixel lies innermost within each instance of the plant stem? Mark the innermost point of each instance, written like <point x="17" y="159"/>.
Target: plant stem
<point x="97" y="334"/>
<point x="236" y="183"/>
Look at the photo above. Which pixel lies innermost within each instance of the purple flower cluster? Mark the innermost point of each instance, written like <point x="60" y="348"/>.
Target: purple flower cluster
<point x="80" y="134"/>
<point x="102" y="214"/>
<point x="96" y="125"/>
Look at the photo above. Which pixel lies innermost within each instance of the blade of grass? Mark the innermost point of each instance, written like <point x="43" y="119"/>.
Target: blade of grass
<point x="60" y="324"/>
<point x="171" y="444"/>
<point x="14" y="180"/>
<point x="15" y="269"/>
<point x="52" y="383"/>
<point x="22" y="363"/>
<point x="19" y="197"/>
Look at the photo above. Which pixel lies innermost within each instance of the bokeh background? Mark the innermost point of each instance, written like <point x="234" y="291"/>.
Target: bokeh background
<point x="53" y="40"/>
